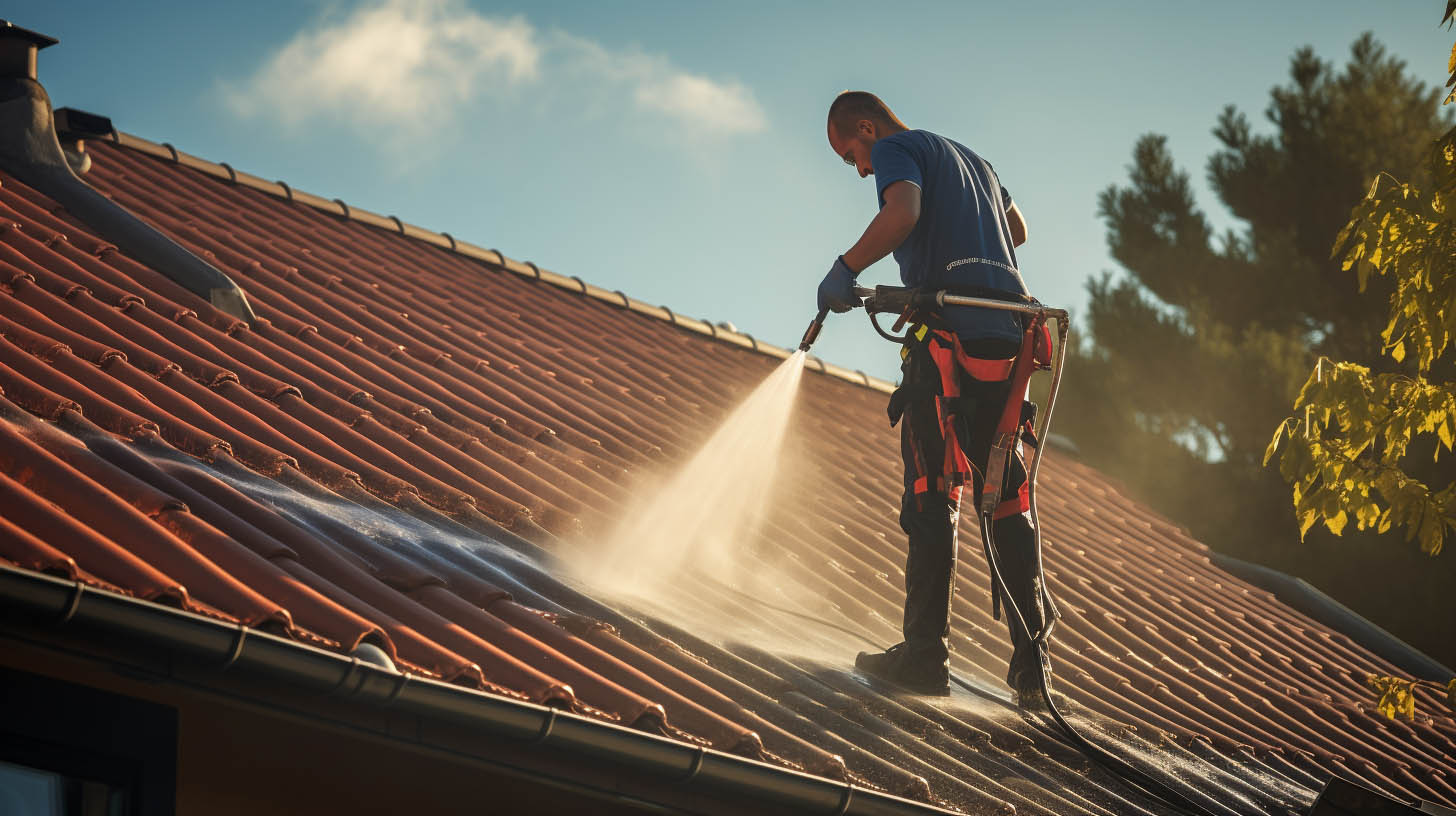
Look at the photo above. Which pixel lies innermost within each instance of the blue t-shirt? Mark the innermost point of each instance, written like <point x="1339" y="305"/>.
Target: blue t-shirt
<point x="962" y="237"/>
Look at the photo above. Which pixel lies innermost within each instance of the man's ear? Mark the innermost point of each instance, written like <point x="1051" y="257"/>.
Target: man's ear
<point x="867" y="127"/>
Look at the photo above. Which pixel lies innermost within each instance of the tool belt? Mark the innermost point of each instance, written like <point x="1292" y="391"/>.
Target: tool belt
<point x="936" y="367"/>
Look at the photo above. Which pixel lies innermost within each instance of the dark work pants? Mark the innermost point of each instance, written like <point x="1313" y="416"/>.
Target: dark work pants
<point x="930" y="521"/>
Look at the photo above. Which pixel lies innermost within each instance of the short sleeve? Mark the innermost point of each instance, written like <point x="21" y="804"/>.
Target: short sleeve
<point x="1006" y="201"/>
<point x="893" y="161"/>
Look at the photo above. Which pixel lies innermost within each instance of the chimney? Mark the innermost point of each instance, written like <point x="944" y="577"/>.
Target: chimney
<point x="18" y="47"/>
<point x="31" y="152"/>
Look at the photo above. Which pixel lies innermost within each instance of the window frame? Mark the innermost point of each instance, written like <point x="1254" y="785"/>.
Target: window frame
<point x="87" y="734"/>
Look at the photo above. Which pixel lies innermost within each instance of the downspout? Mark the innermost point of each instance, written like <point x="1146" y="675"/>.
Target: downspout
<point x="47" y="601"/>
<point x="31" y="152"/>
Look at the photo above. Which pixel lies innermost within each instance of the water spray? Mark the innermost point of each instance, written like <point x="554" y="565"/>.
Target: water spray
<point x="699" y="515"/>
<point x="648" y="549"/>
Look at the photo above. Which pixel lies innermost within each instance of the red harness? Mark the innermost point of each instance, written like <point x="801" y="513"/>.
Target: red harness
<point x="950" y="358"/>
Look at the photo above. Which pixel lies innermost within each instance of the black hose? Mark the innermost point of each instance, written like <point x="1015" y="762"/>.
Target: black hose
<point x="1133" y="777"/>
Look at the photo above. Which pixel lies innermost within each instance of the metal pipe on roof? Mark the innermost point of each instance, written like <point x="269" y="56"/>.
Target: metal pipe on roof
<point x="1305" y="597"/>
<point x="49" y="601"/>
<point x="31" y="152"/>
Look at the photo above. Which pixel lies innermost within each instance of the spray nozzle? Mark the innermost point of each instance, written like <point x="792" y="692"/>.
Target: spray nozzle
<point x="812" y="333"/>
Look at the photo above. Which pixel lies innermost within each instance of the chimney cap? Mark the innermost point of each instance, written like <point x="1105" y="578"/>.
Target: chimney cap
<point x="79" y="124"/>
<point x="11" y="30"/>
<point x="18" y="47"/>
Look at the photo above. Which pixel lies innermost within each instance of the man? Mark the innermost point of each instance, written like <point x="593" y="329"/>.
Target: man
<point x="950" y="224"/>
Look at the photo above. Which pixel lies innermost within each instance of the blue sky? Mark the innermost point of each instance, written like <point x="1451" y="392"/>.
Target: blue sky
<point x="676" y="150"/>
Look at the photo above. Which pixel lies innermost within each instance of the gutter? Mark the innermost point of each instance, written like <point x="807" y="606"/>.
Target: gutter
<point x="49" y="601"/>
<point x="1305" y="597"/>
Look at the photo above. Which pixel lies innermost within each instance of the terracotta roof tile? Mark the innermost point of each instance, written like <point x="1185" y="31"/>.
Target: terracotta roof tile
<point x="48" y="477"/>
<point x="358" y="464"/>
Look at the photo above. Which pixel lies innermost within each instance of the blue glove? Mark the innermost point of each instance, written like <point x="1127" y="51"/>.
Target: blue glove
<point x="836" y="291"/>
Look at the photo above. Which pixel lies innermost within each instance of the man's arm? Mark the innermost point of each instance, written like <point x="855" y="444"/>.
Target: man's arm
<point x="891" y="225"/>
<point x="1017" y="222"/>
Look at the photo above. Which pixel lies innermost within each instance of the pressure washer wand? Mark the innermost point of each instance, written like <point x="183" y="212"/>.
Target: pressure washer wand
<point x="812" y="333"/>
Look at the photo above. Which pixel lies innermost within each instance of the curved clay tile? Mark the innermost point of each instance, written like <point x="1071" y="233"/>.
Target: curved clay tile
<point x="98" y="508"/>
<point x="447" y="388"/>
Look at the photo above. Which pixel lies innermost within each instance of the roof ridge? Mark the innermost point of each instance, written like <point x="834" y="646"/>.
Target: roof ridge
<point x="492" y="257"/>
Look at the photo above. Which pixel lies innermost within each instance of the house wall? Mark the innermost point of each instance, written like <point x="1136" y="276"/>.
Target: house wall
<point x="309" y="754"/>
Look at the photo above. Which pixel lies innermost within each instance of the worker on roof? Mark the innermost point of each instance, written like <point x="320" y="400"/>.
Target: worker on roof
<point x="951" y="225"/>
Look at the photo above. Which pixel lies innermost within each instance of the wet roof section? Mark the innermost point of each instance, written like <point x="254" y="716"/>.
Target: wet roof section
<point x="405" y="446"/>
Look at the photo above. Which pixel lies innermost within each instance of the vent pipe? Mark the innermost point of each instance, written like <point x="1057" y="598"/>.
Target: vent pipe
<point x="31" y="152"/>
<point x="73" y="128"/>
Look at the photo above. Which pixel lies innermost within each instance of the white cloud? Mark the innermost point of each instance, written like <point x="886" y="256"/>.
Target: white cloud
<point x="701" y="102"/>
<point x="400" y="66"/>
<point x="653" y="85"/>
<point x="390" y="63"/>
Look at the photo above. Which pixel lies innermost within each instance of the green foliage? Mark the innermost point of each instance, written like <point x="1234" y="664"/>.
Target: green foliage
<point x="1191" y="353"/>
<point x="1350" y="453"/>
<point x="1227" y="322"/>
<point x="1343" y="455"/>
<point x="1346" y="455"/>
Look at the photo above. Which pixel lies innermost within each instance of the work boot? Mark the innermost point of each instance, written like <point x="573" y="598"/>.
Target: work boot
<point x="1028" y="666"/>
<point x="1016" y="546"/>
<point x="919" y="671"/>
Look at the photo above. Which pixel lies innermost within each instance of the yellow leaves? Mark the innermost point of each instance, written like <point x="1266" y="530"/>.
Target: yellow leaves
<point x="1451" y="69"/>
<point x="1306" y="521"/>
<point x="1344" y="457"/>
<point x="1367" y="515"/>
<point x="1385" y="522"/>
<point x="1354" y="256"/>
<point x="1397" y="696"/>
<point x="1451" y="63"/>
<point x="1274" y="443"/>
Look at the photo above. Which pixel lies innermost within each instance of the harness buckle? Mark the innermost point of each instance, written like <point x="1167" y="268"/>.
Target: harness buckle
<point x="996" y="471"/>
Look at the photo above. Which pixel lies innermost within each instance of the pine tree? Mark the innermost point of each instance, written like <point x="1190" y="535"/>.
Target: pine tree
<point x="1195" y="353"/>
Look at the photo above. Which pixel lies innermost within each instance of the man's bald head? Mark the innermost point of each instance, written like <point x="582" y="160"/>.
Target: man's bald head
<point x="852" y="107"/>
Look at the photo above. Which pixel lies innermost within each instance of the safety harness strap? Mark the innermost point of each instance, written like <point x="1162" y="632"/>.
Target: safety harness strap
<point x="942" y="349"/>
<point x="1035" y="352"/>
